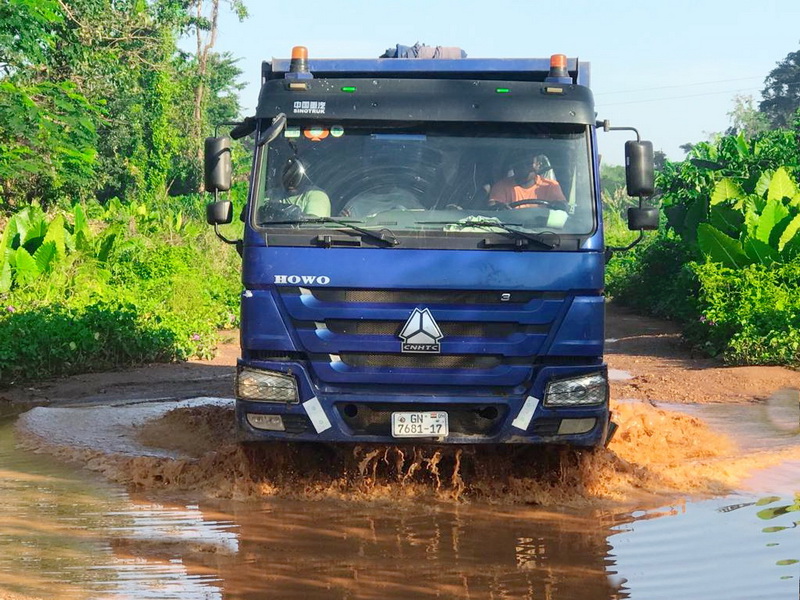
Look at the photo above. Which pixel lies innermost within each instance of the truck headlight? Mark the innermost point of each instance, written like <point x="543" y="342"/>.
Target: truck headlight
<point x="266" y="386"/>
<point x="585" y="390"/>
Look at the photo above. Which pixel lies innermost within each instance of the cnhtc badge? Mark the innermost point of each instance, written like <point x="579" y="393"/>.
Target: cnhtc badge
<point x="421" y="334"/>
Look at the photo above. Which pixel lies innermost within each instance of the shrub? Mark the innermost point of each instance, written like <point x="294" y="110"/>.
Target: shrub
<point x="728" y="264"/>
<point x="749" y="315"/>
<point x="655" y="278"/>
<point x="154" y="292"/>
<point x="58" y="340"/>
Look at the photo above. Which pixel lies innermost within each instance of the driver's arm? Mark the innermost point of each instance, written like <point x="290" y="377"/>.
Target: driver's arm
<point x="317" y="204"/>
<point x="500" y="194"/>
<point x="551" y="192"/>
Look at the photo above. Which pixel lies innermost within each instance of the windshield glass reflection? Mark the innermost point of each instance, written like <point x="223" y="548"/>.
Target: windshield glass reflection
<point x="429" y="179"/>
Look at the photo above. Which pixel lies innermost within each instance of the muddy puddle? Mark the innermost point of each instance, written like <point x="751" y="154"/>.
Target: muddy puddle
<point x="673" y="509"/>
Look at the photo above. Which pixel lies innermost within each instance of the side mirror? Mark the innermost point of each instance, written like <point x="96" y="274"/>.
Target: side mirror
<point x="219" y="213"/>
<point x="643" y="219"/>
<point x="217" y="164"/>
<point x="639" y="168"/>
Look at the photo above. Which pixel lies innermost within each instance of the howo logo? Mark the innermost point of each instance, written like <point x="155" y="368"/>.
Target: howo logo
<point x="304" y="279"/>
<point x="421" y="334"/>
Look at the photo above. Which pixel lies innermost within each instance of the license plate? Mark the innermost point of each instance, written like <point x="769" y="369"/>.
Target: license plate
<point x="419" y="424"/>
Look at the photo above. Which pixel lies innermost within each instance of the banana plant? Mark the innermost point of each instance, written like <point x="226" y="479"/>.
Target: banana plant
<point x="30" y="246"/>
<point x="757" y="228"/>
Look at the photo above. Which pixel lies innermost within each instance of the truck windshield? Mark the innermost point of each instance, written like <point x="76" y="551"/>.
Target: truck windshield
<point x="427" y="180"/>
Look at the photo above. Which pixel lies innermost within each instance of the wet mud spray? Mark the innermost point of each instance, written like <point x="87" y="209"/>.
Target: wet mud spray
<point x="655" y="452"/>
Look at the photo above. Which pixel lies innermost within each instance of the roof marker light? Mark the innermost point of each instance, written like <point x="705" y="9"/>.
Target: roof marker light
<point x="299" y="62"/>
<point x="298" y="66"/>
<point x="558" y="65"/>
<point x="502" y="90"/>
<point x="558" y="70"/>
<point x="349" y="89"/>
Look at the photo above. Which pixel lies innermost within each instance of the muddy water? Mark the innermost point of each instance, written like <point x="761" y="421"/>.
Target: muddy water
<point x="67" y="533"/>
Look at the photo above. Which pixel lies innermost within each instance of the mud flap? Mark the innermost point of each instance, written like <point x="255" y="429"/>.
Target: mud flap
<point x="612" y="429"/>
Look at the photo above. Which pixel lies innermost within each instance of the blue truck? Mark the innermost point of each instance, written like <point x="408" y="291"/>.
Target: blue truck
<point x="397" y="286"/>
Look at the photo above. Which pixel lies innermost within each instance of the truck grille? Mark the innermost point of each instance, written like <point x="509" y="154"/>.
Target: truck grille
<point x="420" y="361"/>
<point x="449" y="329"/>
<point x="423" y="296"/>
<point x="354" y="335"/>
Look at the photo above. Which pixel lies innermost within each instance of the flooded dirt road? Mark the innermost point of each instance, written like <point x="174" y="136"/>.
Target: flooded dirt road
<point x="108" y="492"/>
<point x="65" y="532"/>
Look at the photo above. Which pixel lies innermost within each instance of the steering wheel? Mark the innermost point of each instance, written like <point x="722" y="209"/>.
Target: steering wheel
<point x="529" y="202"/>
<point x="283" y="211"/>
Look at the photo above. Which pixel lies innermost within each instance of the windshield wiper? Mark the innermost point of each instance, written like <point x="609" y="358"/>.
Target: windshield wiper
<point x="541" y="239"/>
<point x="382" y="235"/>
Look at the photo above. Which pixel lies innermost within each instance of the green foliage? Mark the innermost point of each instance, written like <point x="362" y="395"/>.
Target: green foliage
<point x="615" y="207"/>
<point x="99" y="266"/>
<point x="781" y="94"/>
<point x="60" y="340"/>
<point x="752" y="228"/>
<point x="122" y="286"/>
<point x="612" y="178"/>
<point x="728" y="265"/>
<point x="720" y="248"/>
<point x="47" y="142"/>
<point x="746" y="119"/>
<point x="616" y="202"/>
<point x="749" y="315"/>
<point x="655" y="278"/>
<point x="728" y="174"/>
<point x="25" y="32"/>
<point x="96" y="100"/>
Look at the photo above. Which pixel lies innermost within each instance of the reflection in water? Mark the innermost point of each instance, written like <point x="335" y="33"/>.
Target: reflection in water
<point x="46" y="517"/>
<point x="335" y="550"/>
<point x="59" y="528"/>
<point x="64" y="534"/>
<point x="720" y="548"/>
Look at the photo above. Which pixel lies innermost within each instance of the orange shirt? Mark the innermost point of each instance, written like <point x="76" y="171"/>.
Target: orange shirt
<point x="506" y="191"/>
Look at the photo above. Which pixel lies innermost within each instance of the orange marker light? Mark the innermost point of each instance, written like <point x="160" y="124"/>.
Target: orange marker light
<point x="558" y="67"/>
<point x="299" y="62"/>
<point x="558" y="61"/>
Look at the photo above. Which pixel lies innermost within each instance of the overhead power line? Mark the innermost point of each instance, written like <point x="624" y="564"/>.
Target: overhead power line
<point x="663" y="99"/>
<point x="677" y="85"/>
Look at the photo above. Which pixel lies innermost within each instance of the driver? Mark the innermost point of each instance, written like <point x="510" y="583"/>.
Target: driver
<point x="528" y="186"/>
<point x="302" y="193"/>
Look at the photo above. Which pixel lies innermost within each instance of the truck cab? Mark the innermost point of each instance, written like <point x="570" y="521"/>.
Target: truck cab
<point x="397" y="288"/>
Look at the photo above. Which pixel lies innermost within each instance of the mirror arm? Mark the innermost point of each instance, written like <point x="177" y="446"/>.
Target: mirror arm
<point x="216" y="227"/>
<point x="222" y="237"/>
<point x="611" y="249"/>
<point x="606" y="125"/>
<point x="223" y="124"/>
<point x="628" y="247"/>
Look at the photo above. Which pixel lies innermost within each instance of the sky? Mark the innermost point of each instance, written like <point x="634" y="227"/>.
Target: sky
<point x="670" y="69"/>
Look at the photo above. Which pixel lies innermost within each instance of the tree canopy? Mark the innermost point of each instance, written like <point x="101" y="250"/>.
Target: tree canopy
<point x="781" y="94"/>
<point x="96" y="99"/>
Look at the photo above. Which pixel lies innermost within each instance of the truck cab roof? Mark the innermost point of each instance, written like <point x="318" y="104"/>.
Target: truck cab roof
<point x="506" y="69"/>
